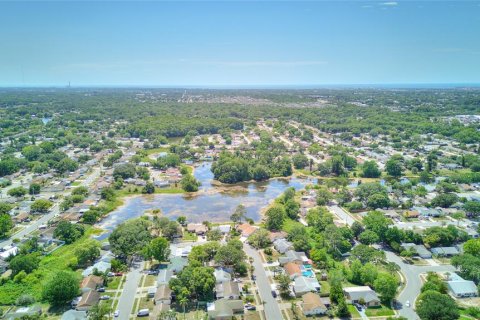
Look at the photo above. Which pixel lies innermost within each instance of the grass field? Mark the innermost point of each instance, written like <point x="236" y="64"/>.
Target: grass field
<point x="32" y="284"/>
<point x="379" y="312"/>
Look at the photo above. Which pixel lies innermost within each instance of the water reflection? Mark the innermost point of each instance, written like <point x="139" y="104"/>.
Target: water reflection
<point x="212" y="203"/>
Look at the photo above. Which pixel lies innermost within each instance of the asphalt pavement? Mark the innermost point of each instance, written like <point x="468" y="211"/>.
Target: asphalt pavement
<point x="271" y="306"/>
<point x="129" y="291"/>
<point x="413" y="283"/>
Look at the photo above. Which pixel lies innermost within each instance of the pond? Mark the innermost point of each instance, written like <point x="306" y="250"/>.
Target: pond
<point x="211" y="203"/>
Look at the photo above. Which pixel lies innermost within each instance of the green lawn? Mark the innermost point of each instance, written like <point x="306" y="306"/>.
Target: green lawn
<point x="32" y="284"/>
<point x="187" y="236"/>
<point x="379" y="312"/>
<point x="353" y="311"/>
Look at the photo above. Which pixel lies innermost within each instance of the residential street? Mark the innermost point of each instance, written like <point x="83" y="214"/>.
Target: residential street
<point x="271" y="307"/>
<point x="339" y="212"/>
<point x="55" y="210"/>
<point x="127" y="298"/>
<point x="413" y="283"/>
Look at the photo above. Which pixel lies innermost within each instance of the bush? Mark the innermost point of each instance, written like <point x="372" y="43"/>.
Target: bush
<point x="25" y="300"/>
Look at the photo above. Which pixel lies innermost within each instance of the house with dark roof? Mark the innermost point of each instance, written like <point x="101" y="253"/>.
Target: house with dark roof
<point x="88" y="300"/>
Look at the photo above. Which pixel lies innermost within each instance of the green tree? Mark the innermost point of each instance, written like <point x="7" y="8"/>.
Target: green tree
<point x="259" y="239"/>
<point x="149" y="188"/>
<point x="130" y="237"/>
<point x="100" y="311"/>
<point x="386" y="285"/>
<point x="68" y="232"/>
<point x="159" y="249"/>
<point x="472" y="247"/>
<point x="17" y="192"/>
<point x="87" y="253"/>
<point x="27" y="263"/>
<point x="61" y="288"/>
<point x="378" y="200"/>
<point x="275" y="217"/>
<point x="368" y="237"/>
<point x="41" y="205"/>
<point x="432" y="305"/>
<point x="189" y="183"/>
<point x="377" y="222"/>
<point x="34" y="189"/>
<point x="394" y="168"/>
<point x="323" y="196"/>
<point x="300" y="161"/>
<point x="6" y="224"/>
<point x="370" y="170"/>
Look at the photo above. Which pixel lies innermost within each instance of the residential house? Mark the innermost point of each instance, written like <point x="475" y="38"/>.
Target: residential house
<point x="277" y="235"/>
<point x="312" y="305"/>
<point x="197" y="228"/>
<point x="246" y="229"/>
<point x="461" y="288"/>
<point x="225" y="309"/>
<point x="74" y="315"/>
<point x="88" y="300"/>
<point x="293" y="256"/>
<point x="445" y="251"/>
<point x="364" y="294"/>
<point x="164" y="276"/>
<point x="227" y="290"/>
<point x="293" y="270"/>
<point x="163" y="295"/>
<point x="91" y="282"/>
<point x="221" y="275"/>
<point x="282" y="245"/>
<point x="304" y="285"/>
<point x="24" y="312"/>
<point x="419" y="249"/>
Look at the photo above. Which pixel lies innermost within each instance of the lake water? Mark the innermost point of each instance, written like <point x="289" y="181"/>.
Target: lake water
<point x="209" y="204"/>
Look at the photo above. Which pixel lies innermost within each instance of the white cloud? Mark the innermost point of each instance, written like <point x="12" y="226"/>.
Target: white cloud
<point x="389" y="3"/>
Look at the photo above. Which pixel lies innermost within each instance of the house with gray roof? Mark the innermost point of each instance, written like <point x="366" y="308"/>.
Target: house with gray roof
<point x="221" y="275"/>
<point x="282" y="245"/>
<point x="419" y="249"/>
<point x="445" y="251"/>
<point x="228" y="290"/>
<point x="302" y="285"/>
<point x="74" y="315"/>
<point x="225" y="309"/>
<point x="461" y="288"/>
<point x="293" y="256"/>
<point x="365" y="293"/>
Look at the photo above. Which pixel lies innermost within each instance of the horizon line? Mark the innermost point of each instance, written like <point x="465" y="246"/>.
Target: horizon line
<point x="423" y="85"/>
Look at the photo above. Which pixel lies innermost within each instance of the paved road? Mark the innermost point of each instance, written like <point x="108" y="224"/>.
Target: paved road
<point x="342" y="214"/>
<point x="129" y="291"/>
<point x="271" y="307"/>
<point x="413" y="283"/>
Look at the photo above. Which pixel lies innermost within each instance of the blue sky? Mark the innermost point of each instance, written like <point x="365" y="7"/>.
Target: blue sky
<point x="238" y="43"/>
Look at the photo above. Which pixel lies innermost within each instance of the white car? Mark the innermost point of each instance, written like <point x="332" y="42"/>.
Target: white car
<point x="407" y="304"/>
<point x="116" y="313"/>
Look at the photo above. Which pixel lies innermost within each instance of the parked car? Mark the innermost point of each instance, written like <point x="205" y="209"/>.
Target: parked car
<point x="143" y="313"/>
<point x="116" y="313"/>
<point x="407" y="304"/>
<point x="274" y="293"/>
<point x="101" y="289"/>
<point x="105" y="297"/>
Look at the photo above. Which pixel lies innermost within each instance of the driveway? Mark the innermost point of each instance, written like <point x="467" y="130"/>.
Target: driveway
<point x="271" y="307"/>
<point x="129" y="291"/>
<point x="413" y="283"/>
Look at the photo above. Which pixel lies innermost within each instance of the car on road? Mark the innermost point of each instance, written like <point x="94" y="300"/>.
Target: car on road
<point x="254" y="277"/>
<point x="116" y="313"/>
<point x="407" y="304"/>
<point x="250" y="307"/>
<point x="274" y="293"/>
<point x="101" y="289"/>
<point x="143" y="313"/>
<point x="105" y="297"/>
